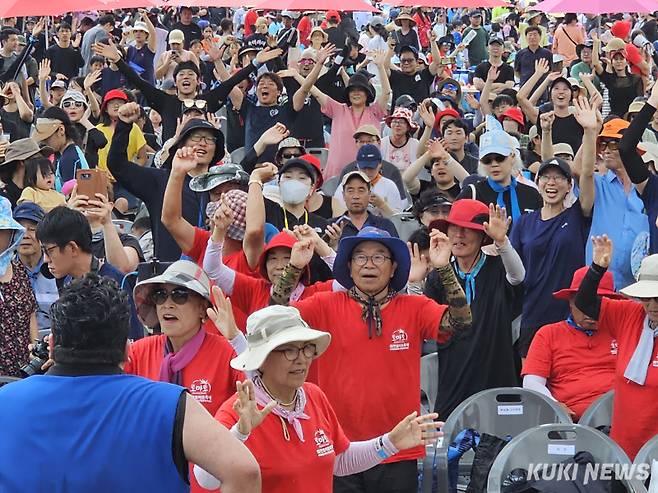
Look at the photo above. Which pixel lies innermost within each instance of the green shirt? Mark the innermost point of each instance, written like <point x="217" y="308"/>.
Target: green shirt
<point x="477" y="49"/>
<point x="583" y="68"/>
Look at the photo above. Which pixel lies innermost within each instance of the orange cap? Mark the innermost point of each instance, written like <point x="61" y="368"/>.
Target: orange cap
<point x="614" y="129"/>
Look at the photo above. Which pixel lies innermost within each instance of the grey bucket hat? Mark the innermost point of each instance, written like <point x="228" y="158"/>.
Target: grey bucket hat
<point x="217" y="175"/>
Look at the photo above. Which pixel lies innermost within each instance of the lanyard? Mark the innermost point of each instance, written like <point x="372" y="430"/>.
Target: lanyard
<point x="285" y="217"/>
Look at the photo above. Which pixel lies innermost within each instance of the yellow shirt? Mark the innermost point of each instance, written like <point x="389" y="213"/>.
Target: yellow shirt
<point x="135" y="142"/>
<point x="47" y="199"/>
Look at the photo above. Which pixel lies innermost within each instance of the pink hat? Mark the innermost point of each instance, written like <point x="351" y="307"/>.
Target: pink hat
<point x="405" y="113"/>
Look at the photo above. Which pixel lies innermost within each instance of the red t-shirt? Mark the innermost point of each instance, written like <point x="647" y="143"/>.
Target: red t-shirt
<point x="635" y="414"/>
<point x="579" y="369"/>
<point x="373" y="383"/>
<point x="294" y="466"/>
<point x="236" y="261"/>
<point x="209" y="377"/>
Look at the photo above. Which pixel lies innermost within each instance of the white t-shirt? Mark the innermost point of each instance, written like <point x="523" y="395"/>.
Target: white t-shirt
<point x="384" y="188"/>
<point x="401" y="157"/>
<point x="376" y="43"/>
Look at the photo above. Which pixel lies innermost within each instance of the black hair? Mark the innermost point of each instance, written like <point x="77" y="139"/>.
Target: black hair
<point x="502" y="99"/>
<point x="225" y="24"/>
<point x="381" y="30"/>
<point x="273" y="77"/>
<point x="62" y="226"/>
<point x="57" y="113"/>
<point x="90" y="322"/>
<point x="95" y="59"/>
<point x="106" y="19"/>
<point x="195" y="42"/>
<point x="86" y="21"/>
<point x="5" y="32"/>
<point x="508" y="91"/>
<point x="189" y="65"/>
<point x="570" y="17"/>
<point x="457" y="123"/>
<point x="7" y="171"/>
<point x="529" y="29"/>
<point x="143" y="223"/>
<point x="79" y="81"/>
<point x="32" y="167"/>
<point x="63" y="25"/>
<point x="420" y="237"/>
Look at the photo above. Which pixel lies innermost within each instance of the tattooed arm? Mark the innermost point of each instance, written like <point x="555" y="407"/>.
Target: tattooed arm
<point x="458" y="315"/>
<point x="283" y="287"/>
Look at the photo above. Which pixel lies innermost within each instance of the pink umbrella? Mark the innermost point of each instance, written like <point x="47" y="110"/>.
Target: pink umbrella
<point x="22" y="8"/>
<point x="341" y="5"/>
<point x="597" y="6"/>
<point x="471" y="4"/>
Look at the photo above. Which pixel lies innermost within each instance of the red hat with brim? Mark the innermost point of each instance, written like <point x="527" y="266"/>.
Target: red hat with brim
<point x="606" y="286"/>
<point x="441" y="114"/>
<point x="516" y="115"/>
<point x="113" y="94"/>
<point x="286" y="240"/>
<point x="465" y="213"/>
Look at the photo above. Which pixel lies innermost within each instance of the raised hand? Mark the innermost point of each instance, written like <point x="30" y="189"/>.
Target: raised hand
<point x="426" y="113"/>
<point x="437" y="150"/>
<point x="268" y="54"/>
<point x="221" y="314"/>
<point x="542" y="67"/>
<point x="379" y="57"/>
<point x="91" y="79"/>
<point x="44" y="69"/>
<point x="101" y="208"/>
<point x="265" y="173"/>
<point x="419" y="263"/>
<point x="601" y="250"/>
<point x="245" y="405"/>
<point x="302" y="253"/>
<point x="498" y="224"/>
<point x="185" y="160"/>
<point x="325" y="52"/>
<point x="214" y="120"/>
<point x="472" y="102"/>
<point x="129" y="112"/>
<point x="38" y="27"/>
<point x="492" y="75"/>
<point x="585" y="113"/>
<point x="416" y="430"/>
<point x="440" y="249"/>
<point x="546" y="120"/>
<point x="222" y="218"/>
<point x="109" y="51"/>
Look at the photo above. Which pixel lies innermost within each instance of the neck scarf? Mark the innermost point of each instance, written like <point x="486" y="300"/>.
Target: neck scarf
<point x="469" y="277"/>
<point x="573" y="324"/>
<point x="174" y="362"/>
<point x="372" y="313"/>
<point x="292" y="416"/>
<point x="497" y="187"/>
<point x="636" y="370"/>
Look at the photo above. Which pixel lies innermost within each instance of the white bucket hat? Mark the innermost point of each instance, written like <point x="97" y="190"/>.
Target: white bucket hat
<point x="647" y="280"/>
<point x="272" y="327"/>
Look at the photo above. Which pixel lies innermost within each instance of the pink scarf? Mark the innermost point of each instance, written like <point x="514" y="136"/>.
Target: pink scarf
<point x="292" y="416"/>
<point x="174" y="362"/>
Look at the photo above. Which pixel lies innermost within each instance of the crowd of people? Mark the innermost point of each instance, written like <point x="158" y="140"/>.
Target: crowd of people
<point x="277" y="214"/>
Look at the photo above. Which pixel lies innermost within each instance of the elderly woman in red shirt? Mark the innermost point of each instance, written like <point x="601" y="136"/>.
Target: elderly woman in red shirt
<point x="295" y="434"/>
<point x="634" y="323"/>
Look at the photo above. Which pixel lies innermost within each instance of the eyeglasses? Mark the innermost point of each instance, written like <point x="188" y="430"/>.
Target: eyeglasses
<point x="69" y="104"/>
<point x="292" y="353"/>
<point x="177" y="295"/>
<point x="208" y="139"/>
<point x="555" y="178"/>
<point x="290" y="155"/>
<point x="407" y="60"/>
<point x="47" y="250"/>
<point x="613" y="145"/>
<point x="200" y="104"/>
<point x="361" y="259"/>
<point x="498" y="158"/>
<point x="398" y="121"/>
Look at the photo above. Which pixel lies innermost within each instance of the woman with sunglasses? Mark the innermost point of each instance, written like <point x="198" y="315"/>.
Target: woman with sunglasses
<point x="289" y="424"/>
<point x="551" y="241"/>
<point x="91" y="140"/>
<point x="183" y="353"/>
<point x="497" y="156"/>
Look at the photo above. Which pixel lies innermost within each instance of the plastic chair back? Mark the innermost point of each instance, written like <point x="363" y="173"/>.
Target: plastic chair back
<point x="238" y="155"/>
<point x="599" y="413"/>
<point x="555" y="443"/>
<point x="322" y="153"/>
<point x="501" y="412"/>
<point x="429" y="383"/>
<point x="405" y="223"/>
<point x="329" y="187"/>
<point x="648" y="452"/>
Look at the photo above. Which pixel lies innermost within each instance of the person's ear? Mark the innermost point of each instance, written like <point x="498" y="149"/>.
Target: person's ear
<point x="395" y="268"/>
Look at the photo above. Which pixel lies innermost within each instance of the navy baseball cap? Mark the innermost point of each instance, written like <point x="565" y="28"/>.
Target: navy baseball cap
<point x="29" y="211"/>
<point x="369" y="156"/>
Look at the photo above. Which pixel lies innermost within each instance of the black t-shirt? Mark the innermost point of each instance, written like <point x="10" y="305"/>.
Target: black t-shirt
<point x="409" y="39"/>
<point x="451" y="192"/>
<point x="528" y="197"/>
<point x="482" y="356"/>
<point x="565" y="130"/>
<point x="191" y="31"/>
<point x="336" y="36"/>
<point x="257" y="119"/>
<point x="469" y="163"/>
<point x="66" y="61"/>
<point x="308" y="123"/>
<point x="13" y="125"/>
<point x="505" y="72"/>
<point x="11" y="191"/>
<point x="622" y="91"/>
<point x="234" y="128"/>
<point x="98" y="245"/>
<point x="417" y="85"/>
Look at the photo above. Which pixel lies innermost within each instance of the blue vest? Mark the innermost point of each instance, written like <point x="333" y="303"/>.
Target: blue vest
<point x="98" y="433"/>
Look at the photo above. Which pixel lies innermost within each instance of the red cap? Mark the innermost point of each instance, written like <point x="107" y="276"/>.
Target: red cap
<point x="113" y="94"/>
<point x="621" y="29"/>
<point x="447" y="112"/>
<point x="315" y="162"/>
<point x="514" y="114"/>
<point x="333" y="14"/>
<point x="606" y="286"/>
<point x="465" y="213"/>
<point x="282" y="239"/>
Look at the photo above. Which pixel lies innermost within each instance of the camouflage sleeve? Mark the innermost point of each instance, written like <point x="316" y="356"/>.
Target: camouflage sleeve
<point x="283" y="287"/>
<point x="458" y="315"/>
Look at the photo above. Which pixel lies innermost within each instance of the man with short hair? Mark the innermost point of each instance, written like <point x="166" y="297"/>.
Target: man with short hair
<point x="355" y="186"/>
<point x="455" y="136"/>
<point x="524" y="63"/>
<point x="411" y="79"/>
<point x="8" y="47"/>
<point x="477" y="48"/>
<point x="151" y="449"/>
<point x="100" y="32"/>
<point x="190" y="29"/>
<point x="65" y="58"/>
<point x="505" y="77"/>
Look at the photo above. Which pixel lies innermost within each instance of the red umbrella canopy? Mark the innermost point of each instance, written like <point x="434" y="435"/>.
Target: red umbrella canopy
<point x="597" y="6"/>
<point x="22" y="8"/>
<point x="319" y="5"/>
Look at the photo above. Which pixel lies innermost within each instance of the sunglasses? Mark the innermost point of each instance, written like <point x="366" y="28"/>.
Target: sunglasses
<point x="306" y="61"/>
<point x="69" y="104"/>
<point x="199" y="104"/>
<point x="450" y="87"/>
<point x="613" y="145"/>
<point x="492" y="158"/>
<point x="290" y="155"/>
<point x="180" y="296"/>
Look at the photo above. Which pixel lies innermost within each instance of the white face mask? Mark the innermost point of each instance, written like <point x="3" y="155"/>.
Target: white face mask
<point x="294" y="191"/>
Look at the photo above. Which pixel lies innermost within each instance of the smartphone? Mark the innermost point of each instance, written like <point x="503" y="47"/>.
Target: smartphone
<point x="91" y="181"/>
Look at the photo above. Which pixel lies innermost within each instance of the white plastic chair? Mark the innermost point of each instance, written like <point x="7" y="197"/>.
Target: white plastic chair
<point x="237" y="155"/>
<point x="321" y="153"/>
<point x="405" y="223"/>
<point x="599" y="412"/>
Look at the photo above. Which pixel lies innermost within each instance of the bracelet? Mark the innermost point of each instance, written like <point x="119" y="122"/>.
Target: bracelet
<point x="257" y="182"/>
<point x="379" y="448"/>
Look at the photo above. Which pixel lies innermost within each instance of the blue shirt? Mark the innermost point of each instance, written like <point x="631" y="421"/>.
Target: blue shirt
<point x="45" y="291"/>
<point x="650" y="200"/>
<point x="551" y="251"/>
<point x="622" y="218"/>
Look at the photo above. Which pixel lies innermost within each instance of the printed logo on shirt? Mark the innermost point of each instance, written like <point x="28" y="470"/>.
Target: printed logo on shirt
<point x="417" y="78"/>
<point x="614" y="347"/>
<point x="654" y="363"/>
<point x="564" y="225"/>
<point x="322" y="443"/>
<point x="399" y="340"/>
<point x="200" y="390"/>
<point x="274" y="112"/>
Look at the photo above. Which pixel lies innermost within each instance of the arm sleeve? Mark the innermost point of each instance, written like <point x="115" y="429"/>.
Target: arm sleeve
<point x="635" y="167"/>
<point x="217" y="96"/>
<point x="177" y="450"/>
<point x="538" y="384"/>
<point x="514" y="270"/>
<point x="12" y="72"/>
<point x="249" y="161"/>
<point x="325" y="81"/>
<point x="153" y="95"/>
<point x="587" y="300"/>
<point x="361" y="456"/>
<point x="218" y="272"/>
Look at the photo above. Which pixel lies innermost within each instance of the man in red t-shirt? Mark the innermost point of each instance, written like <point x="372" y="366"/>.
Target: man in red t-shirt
<point x="573" y="361"/>
<point x="377" y="335"/>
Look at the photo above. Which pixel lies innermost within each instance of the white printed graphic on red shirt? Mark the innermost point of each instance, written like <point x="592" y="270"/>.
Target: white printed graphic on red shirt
<point x="200" y="390"/>
<point x="323" y="444"/>
<point x="399" y="340"/>
<point x="614" y="347"/>
<point x="654" y="363"/>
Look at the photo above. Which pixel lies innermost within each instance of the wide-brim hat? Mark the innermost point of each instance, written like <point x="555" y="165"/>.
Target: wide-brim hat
<point x="44" y="128"/>
<point x="404" y="113"/>
<point x="396" y="246"/>
<point x="606" y="286"/>
<point x="404" y="17"/>
<point x="22" y="149"/>
<point x="465" y="213"/>
<point x="647" y="280"/>
<point x="272" y="327"/>
<point x="286" y="240"/>
<point x="318" y="29"/>
<point x="358" y="81"/>
<point x="181" y="273"/>
<point x="198" y="124"/>
<point x="218" y="175"/>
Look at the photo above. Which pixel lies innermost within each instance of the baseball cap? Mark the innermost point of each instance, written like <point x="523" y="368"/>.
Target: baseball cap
<point x="301" y="164"/>
<point x="333" y="14"/>
<point x="496" y="141"/>
<point x="475" y="13"/>
<point x="176" y="36"/>
<point x="58" y="84"/>
<point x="496" y="41"/>
<point x="562" y="148"/>
<point x="354" y="174"/>
<point x="614" y="128"/>
<point x="29" y="211"/>
<point x="368" y="130"/>
<point x="369" y="156"/>
<point x="555" y="162"/>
